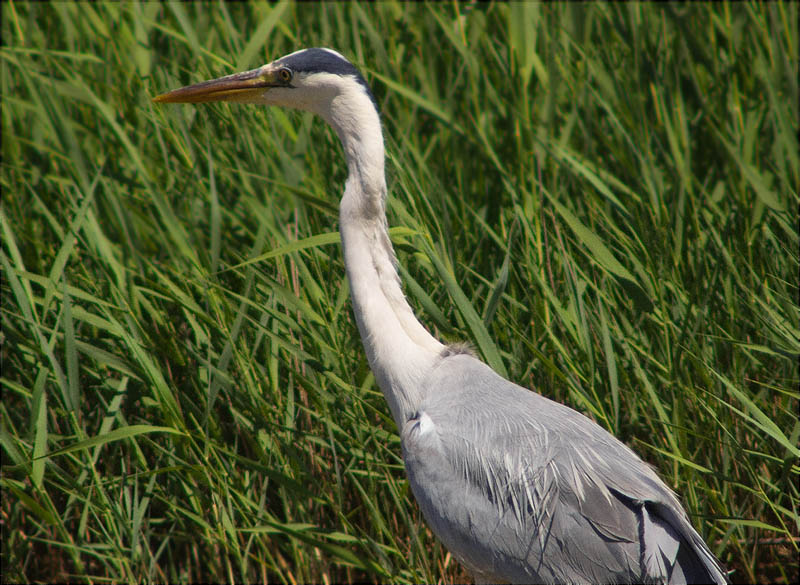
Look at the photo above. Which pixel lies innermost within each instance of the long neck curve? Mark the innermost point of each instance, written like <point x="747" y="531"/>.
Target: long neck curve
<point x="399" y="349"/>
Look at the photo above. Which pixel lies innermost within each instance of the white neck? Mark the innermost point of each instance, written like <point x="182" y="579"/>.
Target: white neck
<point x="399" y="349"/>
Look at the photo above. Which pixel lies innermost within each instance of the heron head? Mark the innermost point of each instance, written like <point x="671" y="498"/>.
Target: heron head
<point x="309" y="79"/>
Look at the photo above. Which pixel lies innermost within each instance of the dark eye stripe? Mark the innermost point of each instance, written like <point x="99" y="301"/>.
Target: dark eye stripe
<point x="318" y="60"/>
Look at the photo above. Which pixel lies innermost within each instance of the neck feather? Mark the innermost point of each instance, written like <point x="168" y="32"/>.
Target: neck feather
<point x="399" y="349"/>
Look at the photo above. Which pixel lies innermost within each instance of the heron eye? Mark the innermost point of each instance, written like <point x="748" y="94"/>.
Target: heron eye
<point x="285" y="74"/>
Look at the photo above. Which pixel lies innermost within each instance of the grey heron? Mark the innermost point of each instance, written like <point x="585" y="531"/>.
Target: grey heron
<point x="519" y="488"/>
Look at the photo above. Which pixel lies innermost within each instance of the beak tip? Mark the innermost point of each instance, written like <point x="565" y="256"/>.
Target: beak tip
<point x="161" y="98"/>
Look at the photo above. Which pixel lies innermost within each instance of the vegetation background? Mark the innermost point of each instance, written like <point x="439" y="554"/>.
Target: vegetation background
<point x="602" y="198"/>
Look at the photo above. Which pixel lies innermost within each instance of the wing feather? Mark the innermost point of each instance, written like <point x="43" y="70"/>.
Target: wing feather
<point x="535" y="491"/>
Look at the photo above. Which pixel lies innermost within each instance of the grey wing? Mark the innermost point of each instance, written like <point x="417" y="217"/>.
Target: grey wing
<point x="523" y="489"/>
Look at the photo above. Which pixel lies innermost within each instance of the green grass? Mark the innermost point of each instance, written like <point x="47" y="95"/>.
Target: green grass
<point x="602" y="199"/>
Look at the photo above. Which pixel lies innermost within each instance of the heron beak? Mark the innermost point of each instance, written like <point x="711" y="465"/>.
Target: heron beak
<point x="239" y="87"/>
